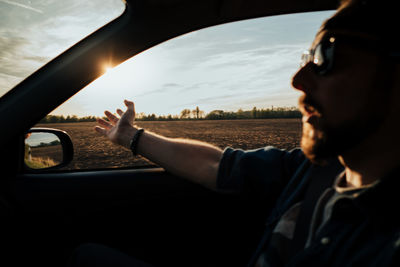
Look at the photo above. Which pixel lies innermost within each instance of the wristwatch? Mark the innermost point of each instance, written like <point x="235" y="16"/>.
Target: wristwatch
<point x="135" y="141"/>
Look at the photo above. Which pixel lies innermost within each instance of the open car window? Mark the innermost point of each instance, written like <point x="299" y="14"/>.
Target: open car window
<point x="34" y="32"/>
<point x="228" y="85"/>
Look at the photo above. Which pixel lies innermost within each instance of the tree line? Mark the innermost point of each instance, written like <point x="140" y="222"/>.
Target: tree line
<point x="52" y="143"/>
<point x="69" y="118"/>
<point x="195" y="114"/>
<point x="269" y="113"/>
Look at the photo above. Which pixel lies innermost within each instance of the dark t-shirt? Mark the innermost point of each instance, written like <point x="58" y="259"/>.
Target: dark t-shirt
<point x="264" y="173"/>
<point x="347" y="227"/>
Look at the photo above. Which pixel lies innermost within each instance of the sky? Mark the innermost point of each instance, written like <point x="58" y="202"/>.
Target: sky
<point x="36" y="138"/>
<point x="32" y="32"/>
<point x="231" y="66"/>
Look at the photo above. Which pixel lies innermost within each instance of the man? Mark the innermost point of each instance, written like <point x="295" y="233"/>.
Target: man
<point x="331" y="201"/>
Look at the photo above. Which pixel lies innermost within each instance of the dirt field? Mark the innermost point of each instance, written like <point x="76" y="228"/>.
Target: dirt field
<point x="93" y="151"/>
<point x="53" y="152"/>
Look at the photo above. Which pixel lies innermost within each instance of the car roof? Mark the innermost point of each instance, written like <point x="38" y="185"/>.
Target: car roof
<point x="143" y="25"/>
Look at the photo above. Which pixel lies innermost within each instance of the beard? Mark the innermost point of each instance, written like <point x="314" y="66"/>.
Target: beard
<point x="320" y="142"/>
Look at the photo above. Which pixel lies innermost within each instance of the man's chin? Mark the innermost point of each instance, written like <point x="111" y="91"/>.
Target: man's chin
<point x="314" y="145"/>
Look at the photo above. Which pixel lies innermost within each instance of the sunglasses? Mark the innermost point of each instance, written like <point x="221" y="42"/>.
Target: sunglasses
<point x="322" y="55"/>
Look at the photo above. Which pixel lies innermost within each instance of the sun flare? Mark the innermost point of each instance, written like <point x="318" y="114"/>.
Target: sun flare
<point x="108" y="69"/>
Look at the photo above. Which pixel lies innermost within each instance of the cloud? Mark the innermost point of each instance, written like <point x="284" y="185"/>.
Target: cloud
<point x="199" y="86"/>
<point x="165" y="88"/>
<point x="169" y="85"/>
<point x="240" y="42"/>
<point x="11" y="44"/>
<point x="261" y="55"/>
<point x="21" y="6"/>
<point x="151" y="92"/>
<point x="37" y="58"/>
<point x="7" y="82"/>
<point x="215" y="99"/>
<point x="19" y="56"/>
<point x="278" y="99"/>
<point x="31" y="39"/>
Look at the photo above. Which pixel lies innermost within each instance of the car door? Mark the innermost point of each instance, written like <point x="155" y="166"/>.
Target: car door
<point x="145" y="212"/>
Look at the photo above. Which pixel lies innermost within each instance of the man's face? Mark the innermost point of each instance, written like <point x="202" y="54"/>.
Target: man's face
<point x="346" y="104"/>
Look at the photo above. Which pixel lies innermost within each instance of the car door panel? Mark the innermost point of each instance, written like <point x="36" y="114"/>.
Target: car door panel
<point x="147" y="213"/>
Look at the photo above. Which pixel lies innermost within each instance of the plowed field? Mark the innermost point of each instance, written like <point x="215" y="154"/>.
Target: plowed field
<point x="93" y="151"/>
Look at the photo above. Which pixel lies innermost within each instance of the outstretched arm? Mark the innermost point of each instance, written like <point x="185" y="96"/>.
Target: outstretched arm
<point x="194" y="160"/>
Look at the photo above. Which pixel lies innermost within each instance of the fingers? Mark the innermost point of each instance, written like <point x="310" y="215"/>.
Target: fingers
<point x="100" y="130"/>
<point x="128" y="116"/>
<point x="105" y="124"/>
<point x="130" y="105"/>
<point x="113" y="119"/>
<point x="130" y="112"/>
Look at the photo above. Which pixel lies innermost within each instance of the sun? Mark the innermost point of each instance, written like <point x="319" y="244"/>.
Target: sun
<point x="108" y="69"/>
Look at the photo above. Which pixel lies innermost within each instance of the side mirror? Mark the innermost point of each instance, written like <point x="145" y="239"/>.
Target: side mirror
<point x="47" y="148"/>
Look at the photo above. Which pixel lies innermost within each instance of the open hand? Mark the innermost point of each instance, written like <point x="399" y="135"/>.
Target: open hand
<point x="119" y="130"/>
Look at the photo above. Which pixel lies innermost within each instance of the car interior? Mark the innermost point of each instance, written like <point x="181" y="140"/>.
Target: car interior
<point x="144" y="212"/>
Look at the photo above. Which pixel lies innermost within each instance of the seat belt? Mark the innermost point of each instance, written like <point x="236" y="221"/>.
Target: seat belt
<point x="322" y="177"/>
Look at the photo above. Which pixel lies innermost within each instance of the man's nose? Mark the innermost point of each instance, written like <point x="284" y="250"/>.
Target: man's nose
<point x="304" y="78"/>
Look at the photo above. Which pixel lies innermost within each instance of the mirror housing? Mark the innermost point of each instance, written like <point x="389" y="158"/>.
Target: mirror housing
<point x="53" y="141"/>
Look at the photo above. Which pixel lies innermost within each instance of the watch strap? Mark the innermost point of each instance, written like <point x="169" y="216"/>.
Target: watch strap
<point x="135" y="141"/>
